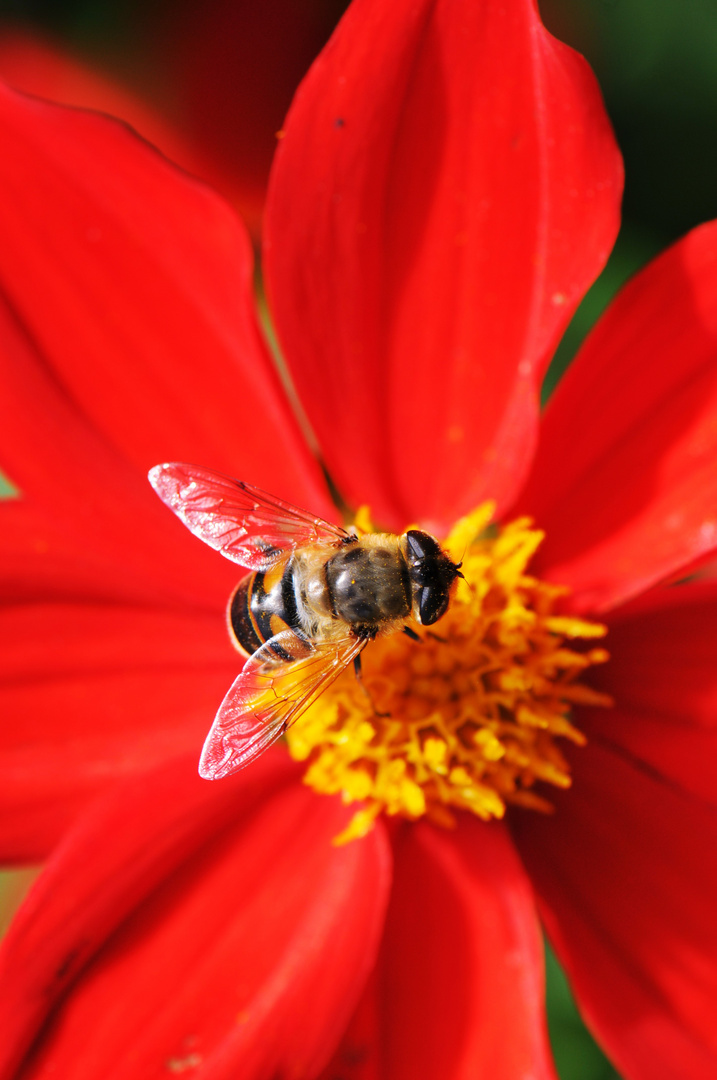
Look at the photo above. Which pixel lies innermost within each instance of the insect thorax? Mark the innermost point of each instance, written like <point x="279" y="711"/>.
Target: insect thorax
<point x="368" y="582"/>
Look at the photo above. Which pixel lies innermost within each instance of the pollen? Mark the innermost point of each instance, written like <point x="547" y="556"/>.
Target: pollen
<point x="473" y="716"/>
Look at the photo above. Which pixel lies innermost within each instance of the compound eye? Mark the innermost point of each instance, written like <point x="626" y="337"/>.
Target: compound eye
<point x="421" y="545"/>
<point x="432" y="603"/>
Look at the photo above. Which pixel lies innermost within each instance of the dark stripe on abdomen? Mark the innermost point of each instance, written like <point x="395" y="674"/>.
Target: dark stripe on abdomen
<point x="241" y="624"/>
<point x="263" y="605"/>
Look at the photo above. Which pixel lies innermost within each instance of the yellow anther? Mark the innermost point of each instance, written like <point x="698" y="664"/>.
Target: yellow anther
<point x="435" y="752"/>
<point x="468" y="718"/>
<point x="491" y="748"/>
<point x="362" y="520"/>
<point x="412" y="799"/>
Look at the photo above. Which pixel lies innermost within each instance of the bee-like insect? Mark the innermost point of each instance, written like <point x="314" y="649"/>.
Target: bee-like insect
<point x="316" y="595"/>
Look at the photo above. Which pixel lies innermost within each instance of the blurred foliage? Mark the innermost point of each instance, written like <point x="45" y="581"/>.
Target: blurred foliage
<point x="655" y="61"/>
<point x="577" y="1056"/>
<point x="14" y="885"/>
<point x="656" y="64"/>
<point x="7" y="488"/>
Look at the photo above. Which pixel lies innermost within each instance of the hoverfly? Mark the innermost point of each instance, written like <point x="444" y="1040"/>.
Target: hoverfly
<point x="316" y="596"/>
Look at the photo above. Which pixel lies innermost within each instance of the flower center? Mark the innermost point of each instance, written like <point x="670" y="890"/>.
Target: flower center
<point x="470" y="716"/>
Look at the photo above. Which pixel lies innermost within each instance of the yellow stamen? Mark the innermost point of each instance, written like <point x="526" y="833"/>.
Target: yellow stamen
<point x="468" y="718"/>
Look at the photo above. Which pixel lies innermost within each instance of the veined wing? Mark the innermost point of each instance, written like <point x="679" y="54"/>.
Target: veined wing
<point x="242" y="522"/>
<point x="279" y="681"/>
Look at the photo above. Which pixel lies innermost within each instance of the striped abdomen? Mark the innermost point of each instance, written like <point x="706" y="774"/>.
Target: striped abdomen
<point x="262" y="605"/>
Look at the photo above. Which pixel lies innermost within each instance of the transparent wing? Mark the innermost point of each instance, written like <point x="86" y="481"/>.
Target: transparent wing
<point x="279" y="681"/>
<point x="242" y="522"/>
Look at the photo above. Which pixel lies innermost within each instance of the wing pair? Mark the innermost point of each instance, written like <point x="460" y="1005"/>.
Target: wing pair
<point x="255" y="529"/>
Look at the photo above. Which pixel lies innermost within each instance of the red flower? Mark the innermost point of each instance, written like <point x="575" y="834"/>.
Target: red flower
<point x="231" y="66"/>
<point x="446" y="190"/>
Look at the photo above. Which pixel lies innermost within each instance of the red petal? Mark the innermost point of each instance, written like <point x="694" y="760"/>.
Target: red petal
<point x="241" y="946"/>
<point x="34" y="66"/>
<point x="87" y="523"/>
<point x="359" y="1055"/>
<point x="134" y="283"/>
<point x="662" y="674"/>
<point x="627" y="874"/>
<point x="459" y="989"/>
<point x="35" y="560"/>
<point x="232" y="66"/>
<point x="625" y="481"/>
<point x="447" y="188"/>
<point x="91" y="692"/>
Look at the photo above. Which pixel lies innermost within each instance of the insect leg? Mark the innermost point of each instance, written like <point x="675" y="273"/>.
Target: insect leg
<point x="362" y="684"/>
